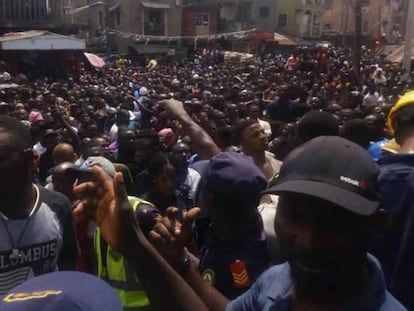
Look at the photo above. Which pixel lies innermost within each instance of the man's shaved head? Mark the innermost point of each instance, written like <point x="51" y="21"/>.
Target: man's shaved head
<point x="63" y="153"/>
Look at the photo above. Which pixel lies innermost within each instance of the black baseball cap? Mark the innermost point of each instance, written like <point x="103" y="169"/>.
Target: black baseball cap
<point x="333" y="169"/>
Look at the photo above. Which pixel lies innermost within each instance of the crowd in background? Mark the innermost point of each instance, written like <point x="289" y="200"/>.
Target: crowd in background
<point x="159" y="126"/>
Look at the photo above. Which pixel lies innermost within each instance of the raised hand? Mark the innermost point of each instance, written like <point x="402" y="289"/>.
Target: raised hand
<point x="105" y="200"/>
<point x="170" y="237"/>
<point x="174" y="107"/>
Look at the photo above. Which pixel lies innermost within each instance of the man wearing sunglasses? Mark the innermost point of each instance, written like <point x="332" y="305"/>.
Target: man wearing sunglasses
<point x="36" y="225"/>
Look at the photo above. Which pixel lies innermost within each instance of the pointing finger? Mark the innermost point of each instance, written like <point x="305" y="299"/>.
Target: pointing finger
<point x="119" y="188"/>
<point x="189" y="218"/>
<point x="172" y="214"/>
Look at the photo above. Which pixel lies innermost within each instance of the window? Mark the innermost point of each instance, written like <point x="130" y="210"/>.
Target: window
<point x="202" y="19"/>
<point x="282" y="20"/>
<point x="118" y="17"/>
<point x="264" y="12"/>
<point x="100" y="16"/>
<point x="154" y="22"/>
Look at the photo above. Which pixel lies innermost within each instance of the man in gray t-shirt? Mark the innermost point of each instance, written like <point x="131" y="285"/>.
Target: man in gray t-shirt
<point x="36" y="226"/>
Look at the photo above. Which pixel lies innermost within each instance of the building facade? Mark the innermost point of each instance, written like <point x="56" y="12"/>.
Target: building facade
<point x="237" y="15"/>
<point x="381" y="19"/>
<point x="302" y="19"/>
<point x="19" y="15"/>
<point x="200" y="17"/>
<point x="119" y="20"/>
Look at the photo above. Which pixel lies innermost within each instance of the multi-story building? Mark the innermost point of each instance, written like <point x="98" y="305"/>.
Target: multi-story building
<point x="237" y="15"/>
<point x="300" y="18"/>
<point x="200" y="17"/>
<point x="18" y="15"/>
<point x="380" y="18"/>
<point x="393" y="16"/>
<point x="127" y="20"/>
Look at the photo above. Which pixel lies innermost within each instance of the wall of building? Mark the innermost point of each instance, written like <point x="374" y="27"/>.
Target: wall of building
<point x="264" y="15"/>
<point x="300" y="18"/>
<point x="191" y="24"/>
<point x="30" y="14"/>
<point x="378" y="18"/>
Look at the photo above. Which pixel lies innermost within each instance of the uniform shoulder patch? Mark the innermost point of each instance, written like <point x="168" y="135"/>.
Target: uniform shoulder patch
<point x="209" y="276"/>
<point x="239" y="273"/>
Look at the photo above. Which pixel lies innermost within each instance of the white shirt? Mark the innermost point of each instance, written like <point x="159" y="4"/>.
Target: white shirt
<point x="370" y="100"/>
<point x="39" y="149"/>
<point x="113" y="132"/>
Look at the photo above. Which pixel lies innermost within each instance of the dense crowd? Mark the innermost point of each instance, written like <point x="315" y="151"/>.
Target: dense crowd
<point x="180" y="183"/>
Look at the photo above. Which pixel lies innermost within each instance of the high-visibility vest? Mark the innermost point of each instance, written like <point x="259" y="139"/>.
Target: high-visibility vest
<point x="115" y="270"/>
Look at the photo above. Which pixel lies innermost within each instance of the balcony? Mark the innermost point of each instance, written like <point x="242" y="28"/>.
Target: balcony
<point x="236" y="16"/>
<point x="154" y="16"/>
<point x="25" y="14"/>
<point x="154" y="29"/>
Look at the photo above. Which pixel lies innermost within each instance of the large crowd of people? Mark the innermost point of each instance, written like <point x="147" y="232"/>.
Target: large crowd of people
<point x="283" y="182"/>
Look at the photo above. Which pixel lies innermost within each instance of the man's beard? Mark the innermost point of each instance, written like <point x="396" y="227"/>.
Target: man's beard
<point x="317" y="283"/>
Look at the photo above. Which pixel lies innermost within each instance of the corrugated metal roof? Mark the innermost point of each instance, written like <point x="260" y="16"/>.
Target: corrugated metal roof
<point x="11" y="36"/>
<point x="40" y="40"/>
<point x="155" y="5"/>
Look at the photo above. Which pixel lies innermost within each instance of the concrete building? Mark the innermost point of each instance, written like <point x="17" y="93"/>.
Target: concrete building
<point x="237" y="15"/>
<point x="18" y="15"/>
<point x="300" y="18"/>
<point x="124" y="18"/>
<point x="200" y="17"/>
<point x="380" y="19"/>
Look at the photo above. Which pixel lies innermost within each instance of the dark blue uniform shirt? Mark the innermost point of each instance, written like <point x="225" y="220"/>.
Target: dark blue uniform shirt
<point x="272" y="292"/>
<point x="395" y="250"/>
<point x="232" y="267"/>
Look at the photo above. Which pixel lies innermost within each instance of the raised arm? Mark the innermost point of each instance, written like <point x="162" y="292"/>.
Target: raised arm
<point x="70" y="131"/>
<point x="170" y="237"/>
<point x="107" y="202"/>
<point x="202" y="143"/>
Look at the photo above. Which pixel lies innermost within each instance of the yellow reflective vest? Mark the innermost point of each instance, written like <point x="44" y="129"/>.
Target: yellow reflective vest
<point x="118" y="272"/>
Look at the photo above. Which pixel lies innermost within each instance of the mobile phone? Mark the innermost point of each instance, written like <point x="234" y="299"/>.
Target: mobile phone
<point x="85" y="176"/>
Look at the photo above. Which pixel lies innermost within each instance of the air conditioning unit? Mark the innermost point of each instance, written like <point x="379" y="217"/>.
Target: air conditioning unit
<point x="365" y="10"/>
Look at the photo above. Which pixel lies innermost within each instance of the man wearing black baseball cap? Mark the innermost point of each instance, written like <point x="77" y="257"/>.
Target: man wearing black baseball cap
<point x="327" y="217"/>
<point x="326" y="220"/>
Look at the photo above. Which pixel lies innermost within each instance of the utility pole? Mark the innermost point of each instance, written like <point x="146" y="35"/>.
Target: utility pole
<point x="358" y="36"/>
<point x="345" y="18"/>
<point x="409" y="33"/>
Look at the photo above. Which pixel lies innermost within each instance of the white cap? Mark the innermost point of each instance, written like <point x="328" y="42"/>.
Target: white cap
<point x="143" y="91"/>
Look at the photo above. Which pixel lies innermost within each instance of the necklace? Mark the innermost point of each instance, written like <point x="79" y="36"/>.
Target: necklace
<point x="16" y="254"/>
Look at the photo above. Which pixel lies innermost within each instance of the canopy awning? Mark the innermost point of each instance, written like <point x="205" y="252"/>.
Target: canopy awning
<point x="155" y="5"/>
<point x="39" y="40"/>
<point x="95" y="60"/>
<point x="283" y="40"/>
<point x="398" y="54"/>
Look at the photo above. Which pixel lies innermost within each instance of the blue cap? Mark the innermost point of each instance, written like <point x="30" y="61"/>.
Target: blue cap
<point x="234" y="176"/>
<point x="63" y="291"/>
